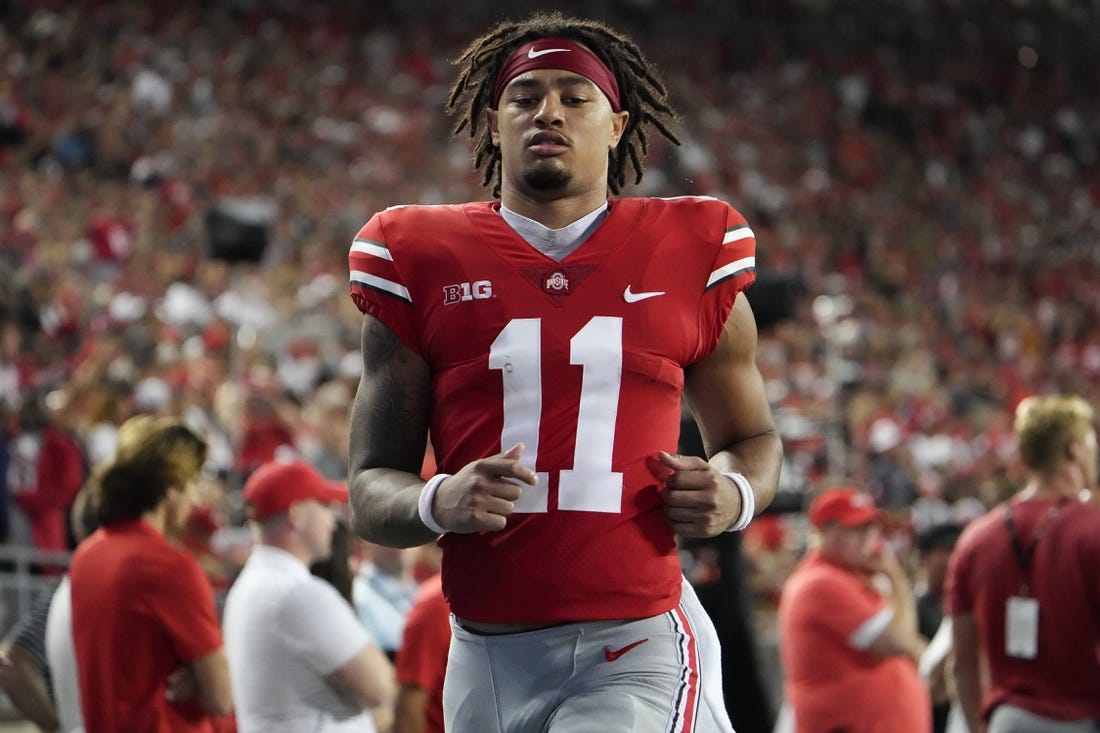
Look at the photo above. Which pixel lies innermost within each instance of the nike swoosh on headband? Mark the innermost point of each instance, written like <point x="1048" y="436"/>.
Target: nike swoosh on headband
<point x="533" y="54"/>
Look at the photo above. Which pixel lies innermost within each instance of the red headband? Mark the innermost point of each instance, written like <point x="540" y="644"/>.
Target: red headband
<point x="558" y="53"/>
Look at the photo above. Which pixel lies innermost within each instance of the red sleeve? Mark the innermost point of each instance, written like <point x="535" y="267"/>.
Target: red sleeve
<point x="422" y="657"/>
<point x="732" y="271"/>
<point x="182" y="600"/>
<point x="377" y="285"/>
<point x="735" y="265"/>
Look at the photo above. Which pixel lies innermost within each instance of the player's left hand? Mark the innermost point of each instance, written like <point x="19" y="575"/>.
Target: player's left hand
<point x="699" y="501"/>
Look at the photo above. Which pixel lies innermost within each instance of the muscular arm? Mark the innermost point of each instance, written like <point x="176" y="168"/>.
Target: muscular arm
<point x="389" y="430"/>
<point x="726" y="394"/>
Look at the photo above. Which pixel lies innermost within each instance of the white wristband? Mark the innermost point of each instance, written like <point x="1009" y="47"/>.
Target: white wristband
<point x="424" y="505"/>
<point x="748" y="501"/>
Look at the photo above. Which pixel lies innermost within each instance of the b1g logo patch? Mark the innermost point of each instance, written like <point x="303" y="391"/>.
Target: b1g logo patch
<point x="556" y="283"/>
<point x="461" y="292"/>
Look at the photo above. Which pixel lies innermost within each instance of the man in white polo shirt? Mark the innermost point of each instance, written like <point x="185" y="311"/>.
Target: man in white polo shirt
<point x="298" y="657"/>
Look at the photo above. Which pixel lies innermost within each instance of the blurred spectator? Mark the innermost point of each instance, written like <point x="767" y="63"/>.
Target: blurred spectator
<point x="5" y="476"/>
<point x="383" y="591"/>
<point x="299" y="658"/>
<point x="60" y="652"/>
<point x="37" y="660"/>
<point x="1023" y="588"/>
<point x="325" y="428"/>
<point x="133" y="589"/>
<point x="336" y="568"/>
<point x="266" y="432"/>
<point x="849" y="653"/>
<point x="421" y="663"/>
<point x="934" y="546"/>
<point x="47" y="470"/>
<point x="24" y="670"/>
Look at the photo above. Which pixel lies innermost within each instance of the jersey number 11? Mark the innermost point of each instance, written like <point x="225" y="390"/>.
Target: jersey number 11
<point x="591" y="485"/>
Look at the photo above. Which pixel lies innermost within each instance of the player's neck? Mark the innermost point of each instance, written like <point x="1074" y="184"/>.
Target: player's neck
<point x="554" y="213"/>
<point x="556" y="244"/>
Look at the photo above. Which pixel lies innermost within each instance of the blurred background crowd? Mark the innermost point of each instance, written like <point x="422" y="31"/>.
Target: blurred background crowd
<point x="180" y="183"/>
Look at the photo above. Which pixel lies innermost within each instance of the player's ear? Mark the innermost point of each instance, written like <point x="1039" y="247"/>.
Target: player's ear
<point x="494" y="129"/>
<point x="618" y="127"/>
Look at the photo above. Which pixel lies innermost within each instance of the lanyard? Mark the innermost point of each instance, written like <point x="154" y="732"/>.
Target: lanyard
<point x="1024" y="555"/>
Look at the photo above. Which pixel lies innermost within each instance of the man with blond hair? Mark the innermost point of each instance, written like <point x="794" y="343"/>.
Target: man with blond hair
<point x="1023" y="586"/>
<point x="143" y="613"/>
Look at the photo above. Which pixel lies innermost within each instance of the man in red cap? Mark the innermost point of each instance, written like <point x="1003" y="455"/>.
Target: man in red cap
<point x="298" y="657"/>
<point x="849" y="653"/>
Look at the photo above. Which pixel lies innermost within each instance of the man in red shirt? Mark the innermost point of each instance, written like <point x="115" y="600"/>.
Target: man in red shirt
<point x="421" y="664"/>
<point x="849" y="654"/>
<point x="48" y="472"/>
<point x="1023" y="585"/>
<point x="546" y="341"/>
<point x="143" y="611"/>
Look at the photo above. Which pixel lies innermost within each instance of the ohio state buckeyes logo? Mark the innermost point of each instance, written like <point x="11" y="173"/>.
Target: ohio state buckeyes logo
<point x="556" y="283"/>
<point x="461" y="292"/>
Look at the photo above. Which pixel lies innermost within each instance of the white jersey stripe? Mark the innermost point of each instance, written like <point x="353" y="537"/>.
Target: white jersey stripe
<point x="736" y="235"/>
<point x="733" y="268"/>
<point x="358" y="277"/>
<point x="367" y="247"/>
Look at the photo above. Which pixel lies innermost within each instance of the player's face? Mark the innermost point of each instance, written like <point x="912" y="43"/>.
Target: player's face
<point x="554" y="129"/>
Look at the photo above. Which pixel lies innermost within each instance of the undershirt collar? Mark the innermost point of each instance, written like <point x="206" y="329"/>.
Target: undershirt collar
<point x="557" y="244"/>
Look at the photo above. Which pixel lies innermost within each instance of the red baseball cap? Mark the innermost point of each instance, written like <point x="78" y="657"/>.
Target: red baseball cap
<point x="845" y="505"/>
<point x="275" y="486"/>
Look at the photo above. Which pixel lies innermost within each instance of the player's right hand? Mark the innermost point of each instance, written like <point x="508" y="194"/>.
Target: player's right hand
<point x="482" y="495"/>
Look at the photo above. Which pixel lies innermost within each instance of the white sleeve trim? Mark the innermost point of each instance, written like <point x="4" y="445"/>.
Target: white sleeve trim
<point x="863" y="637"/>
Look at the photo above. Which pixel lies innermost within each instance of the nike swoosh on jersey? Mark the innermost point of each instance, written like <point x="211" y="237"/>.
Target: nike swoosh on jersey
<point x="612" y="654"/>
<point x="533" y="54"/>
<point x="630" y="297"/>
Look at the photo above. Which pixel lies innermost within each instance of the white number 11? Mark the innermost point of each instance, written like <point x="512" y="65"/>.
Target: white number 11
<point x="591" y="485"/>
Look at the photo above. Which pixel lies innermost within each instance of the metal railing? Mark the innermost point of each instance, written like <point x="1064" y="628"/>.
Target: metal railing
<point x="27" y="575"/>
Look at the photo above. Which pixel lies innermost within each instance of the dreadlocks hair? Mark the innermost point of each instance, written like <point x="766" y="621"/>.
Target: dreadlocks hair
<point x="642" y="93"/>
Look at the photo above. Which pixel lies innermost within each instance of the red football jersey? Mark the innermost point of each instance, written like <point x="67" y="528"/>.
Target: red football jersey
<point x="582" y="360"/>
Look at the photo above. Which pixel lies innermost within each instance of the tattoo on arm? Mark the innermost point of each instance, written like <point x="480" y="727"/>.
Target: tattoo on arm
<point x="380" y="345"/>
<point x="392" y="405"/>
